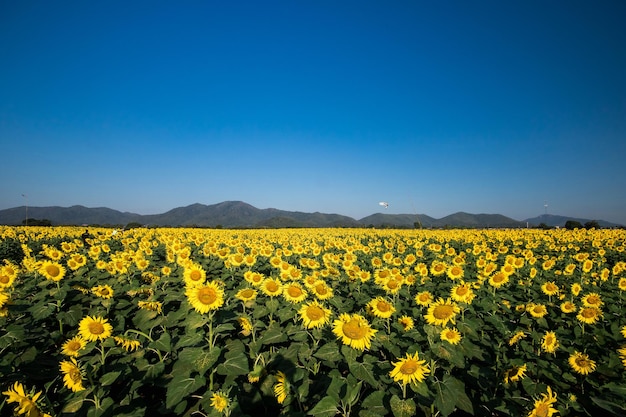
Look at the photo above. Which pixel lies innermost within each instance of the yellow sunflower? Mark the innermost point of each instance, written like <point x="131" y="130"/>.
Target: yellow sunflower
<point x="441" y="312"/>
<point x="462" y="293"/>
<point x="623" y="331"/>
<point x="27" y="402"/>
<point x="220" y="401"/>
<point x="281" y="388"/>
<point x="294" y="293"/>
<point x="246" y="295"/>
<point x="380" y="307"/>
<point x="621" y="284"/>
<point x="589" y="315"/>
<point x="103" y="291"/>
<point x="515" y="373"/>
<point x="205" y="298"/>
<point x="537" y="310"/>
<point x="72" y="375"/>
<point x="314" y="315"/>
<point x="543" y="406"/>
<point x="321" y="290"/>
<point x="581" y="363"/>
<point x="549" y="288"/>
<point x="354" y="330"/>
<point x="410" y="369"/>
<point x="592" y="300"/>
<point x="246" y="326"/>
<point x="272" y="287"/>
<point x="517" y="337"/>
<point x="576" y="289"/>
<point x="549" y="342"/>
<point x="73" y="346"/>
<point x="568" y="307"/>
<point x="622" y="355"/>
<point x="194" y="275"/>
<point x="424" y="298"/>
<point x="52" y="271"/>
<point x="406" y="322"/>
<point x="498" y="279"/>
<point x="94" y="328"/>
<point x="127" y="344"/>
<point x="452" y="336"/>
<point x="455" y="272"/>
<point x="151" y="305"/>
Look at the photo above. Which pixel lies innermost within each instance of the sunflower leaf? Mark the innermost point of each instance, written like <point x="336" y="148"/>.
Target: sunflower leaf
<point x="326" y="407"/>
<point x="402" y="408"/>
<point x="180" y="388"/>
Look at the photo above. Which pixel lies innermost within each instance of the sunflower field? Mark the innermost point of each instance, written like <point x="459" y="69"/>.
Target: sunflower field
<point x="312" y="322"/>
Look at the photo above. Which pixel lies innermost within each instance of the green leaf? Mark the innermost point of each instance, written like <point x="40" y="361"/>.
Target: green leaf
<point x="273" y="334"/>
<point x="363" y="372"/>
<point x="73" y="405"/>
<point x="456" y="389"/>
<point x="375" y="403"/>
<point x="109" y="378"/>
<point x="235" y="360"/>
<point x="180" y="388"/>
<point x="353" y="392"/>
<point x="325" y="408"/>
<point x="189" y="339"/>
<point x="614" y="408"/>
<point x="328" y="352"/>
<point x="402" y="408"/>
<point x="199" y="358"/>
<point x="42" y="310"/>
<point x="164" y="343"/>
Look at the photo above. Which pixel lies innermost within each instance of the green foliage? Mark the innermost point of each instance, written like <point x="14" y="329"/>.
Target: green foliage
<point x="11" y="250"/>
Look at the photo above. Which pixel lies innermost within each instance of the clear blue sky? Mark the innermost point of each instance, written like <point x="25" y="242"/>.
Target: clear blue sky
<point x="330" y="106"/>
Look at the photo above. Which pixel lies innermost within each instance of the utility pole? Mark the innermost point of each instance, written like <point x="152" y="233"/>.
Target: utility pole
<point x="26" y="198"/>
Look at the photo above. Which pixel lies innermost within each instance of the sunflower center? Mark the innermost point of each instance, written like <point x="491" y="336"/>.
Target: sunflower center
<point x="354" y="330"/>
<point x="53" y="270"/>
<point x="593" y="299"/>
<point x="96" y="328"/>
<point x="4" y="279"/>
<point x="588" y="313"/>
<point x="271" y="286"/>
<point x="315" y="313"/>
<point x="247" y="293"/>
<point x="409" y="367"/>
<point x="321" y="289"/>
<point x="462" y="290"/>
<point x="104" y="291"/>
<point x="392" y="284"/>
<point x="542" y="410"/>
<point x="73" y="345"/>
<point x="498" y="278"/>
<point x="294" y="291"/>
<point x="195" y="275"/>
<point x="443" y="312"/>
<point x="207" y="296"/>
<point x="383" y="306"/>
<point x="538" y="309"/>
<point x="424" y="297"/>
<point x="75" y="375"/>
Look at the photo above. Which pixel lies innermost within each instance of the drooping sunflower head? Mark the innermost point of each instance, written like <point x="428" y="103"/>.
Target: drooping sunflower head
<point x="27" y="402"/>
<point x="220" y="401"/>
<point x="72" y="375"/>
<point x="281" y="388"/>
<point x="246" y="326"/>
<point x="103" y="291"/>
<point x="515" y="373"/>
<point x="407" y="323"/>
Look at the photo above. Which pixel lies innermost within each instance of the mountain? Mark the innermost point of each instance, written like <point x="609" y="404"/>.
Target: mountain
<point x="559" y="221"/>
<point x="233" y="214"/>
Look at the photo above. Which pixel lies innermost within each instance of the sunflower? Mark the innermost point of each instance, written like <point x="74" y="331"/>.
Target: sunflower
<point x="321" y="290"/>
<point x="271" y="287"/>
<point x="623" y="331"/>
<point x="220" y="401"/>
<point x="4" y="298"/>
<point x="452" y="336"/>
<point x="438" y="268"/>
<point x="94" y="328"/>
<point x="103" y="291"/>
<point x="441" y="312"/>
<point x="294" y="293"/>
<point x="72" y="375"/>
<point x="622" y="355"/>
<point x="621" y="284"/>
<point x="194" y="275"/>
<point x="246" y="295"/>
<point x="543" y="406"/>
<point x="354" y="331"/>
<point x="424" y="298"/>
<point x="73" y="346"/>
<point x="549" y="288"/>
<point x="576" y="289"/>
<point x="246" y="326"/>
<point x="129" y="345"/>
<point x="568" y="307"/>
<point x="314" y="315"/>
<point x="537" y="310"/>
<point x="587" y="265"/>
<point x="406" y="322"/>
<point x="27" y="402"/>
<point x="455" y="272"/>
<point x="581" y="363"/>
<point x="589" y="315"/>
<point x="409" y="369"/>
<point x="380" y="307"/>
<point x="498" y="279"/>
<point x="281" y="388"/>
<point x="549" y="342"/>
<point x="205" y="298"/>
<point x="151" y="306"/>
<point x="592" y="300"/>
<point x="517" y="337"/>
<point x="515" y="373"/>
<point x="52" y="270"/>
<point x="462" y="293"/>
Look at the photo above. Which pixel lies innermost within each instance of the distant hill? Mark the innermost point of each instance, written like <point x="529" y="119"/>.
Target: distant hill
<point x="232" y="214"/>
<point x="559" y="221"/>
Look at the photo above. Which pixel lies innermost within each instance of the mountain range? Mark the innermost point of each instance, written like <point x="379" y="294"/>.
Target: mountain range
<point x="237" y="214"/>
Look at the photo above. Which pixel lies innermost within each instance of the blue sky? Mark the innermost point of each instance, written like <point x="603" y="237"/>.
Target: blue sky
<point x="330" y="106"/>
